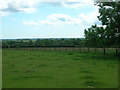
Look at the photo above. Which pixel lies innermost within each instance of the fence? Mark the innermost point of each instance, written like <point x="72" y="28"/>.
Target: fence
<point x="104" y="51"/>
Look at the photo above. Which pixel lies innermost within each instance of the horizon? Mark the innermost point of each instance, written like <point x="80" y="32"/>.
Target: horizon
<point x="37" y="38"/>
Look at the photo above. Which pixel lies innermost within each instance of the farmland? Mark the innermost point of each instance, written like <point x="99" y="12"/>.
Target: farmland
<point x="58" y="69"/>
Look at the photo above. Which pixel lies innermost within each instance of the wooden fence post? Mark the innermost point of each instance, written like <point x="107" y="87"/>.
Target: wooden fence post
<point x="116" y="51"/>
<point x="104" y="51"/>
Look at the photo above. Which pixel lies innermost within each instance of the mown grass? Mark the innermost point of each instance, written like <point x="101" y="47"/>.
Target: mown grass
<point x="58" y="69"/>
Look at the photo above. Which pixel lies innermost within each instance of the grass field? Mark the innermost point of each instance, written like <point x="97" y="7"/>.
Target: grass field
<point x="54" y="69"/>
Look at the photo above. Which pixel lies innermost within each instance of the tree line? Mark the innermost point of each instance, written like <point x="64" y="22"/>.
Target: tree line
<point x="43" y="43"/>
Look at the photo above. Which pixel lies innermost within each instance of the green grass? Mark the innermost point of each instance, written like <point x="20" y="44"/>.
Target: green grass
<point x="55" y="69"/>
<point x="0" y="68"/>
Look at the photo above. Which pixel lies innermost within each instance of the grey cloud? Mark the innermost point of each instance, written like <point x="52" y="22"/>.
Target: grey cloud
<point x="13" y="9"/>
<point x="60" y="3"/>
<point x="10" y="8"/>
<point x="63" y="19"/>
<point x="53" y="3"/>
<point x="71" y="3"/>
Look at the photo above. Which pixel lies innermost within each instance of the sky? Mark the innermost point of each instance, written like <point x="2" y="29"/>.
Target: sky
<point x="46" y="18"/>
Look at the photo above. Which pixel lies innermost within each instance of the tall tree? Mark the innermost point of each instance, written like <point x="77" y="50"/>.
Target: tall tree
<point x="109" y="16"/>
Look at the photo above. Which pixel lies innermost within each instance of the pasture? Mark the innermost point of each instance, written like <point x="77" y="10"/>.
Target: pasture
<point x="58" y="69"/>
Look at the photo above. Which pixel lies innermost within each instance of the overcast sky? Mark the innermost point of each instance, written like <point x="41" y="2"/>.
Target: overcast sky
<point x="46" y="18"/>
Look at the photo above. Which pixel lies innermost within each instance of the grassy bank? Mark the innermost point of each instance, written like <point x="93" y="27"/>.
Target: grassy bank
<point x="54" y="69"/>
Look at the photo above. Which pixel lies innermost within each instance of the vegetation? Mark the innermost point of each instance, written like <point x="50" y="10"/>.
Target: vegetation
<point x="109" y="35"/>
<point x="55" y="69"/>
<point x="43" y="42"/>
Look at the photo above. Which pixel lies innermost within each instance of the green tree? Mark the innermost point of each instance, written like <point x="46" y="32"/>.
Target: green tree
<point x="110" y="35"/>
<point x="110" y="16"/>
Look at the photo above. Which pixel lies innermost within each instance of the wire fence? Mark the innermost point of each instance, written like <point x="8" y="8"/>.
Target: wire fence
<point x="104" y="51"/>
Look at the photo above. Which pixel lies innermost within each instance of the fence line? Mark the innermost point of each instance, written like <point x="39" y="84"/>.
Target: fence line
<point x="74" y="49"/>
